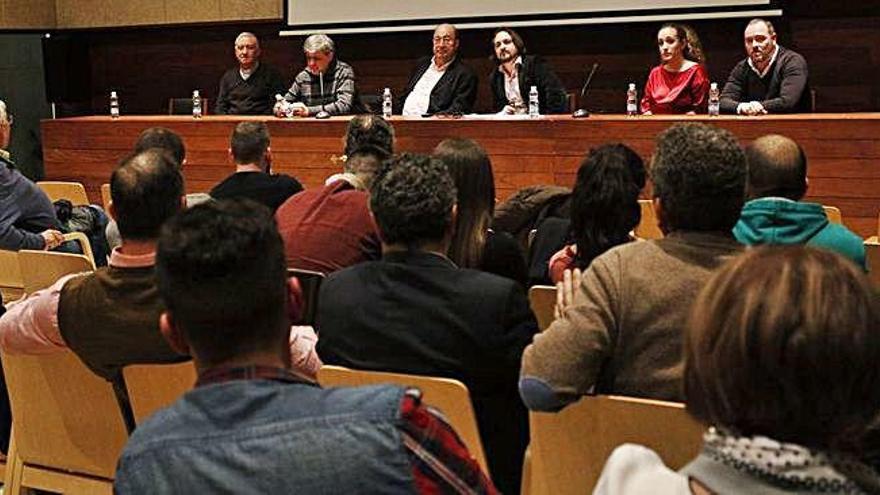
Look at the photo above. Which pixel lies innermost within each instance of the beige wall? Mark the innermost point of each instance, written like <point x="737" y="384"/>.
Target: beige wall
<point x="64" y="14"/>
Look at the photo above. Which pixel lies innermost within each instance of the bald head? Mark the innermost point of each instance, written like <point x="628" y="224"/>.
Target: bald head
<point x="146" y="190"/>
<point x="777" y="167"/>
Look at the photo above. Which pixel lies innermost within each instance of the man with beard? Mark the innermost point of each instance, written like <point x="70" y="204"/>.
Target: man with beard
<point x="772" y="79"/>
<point x="517" y="73"/>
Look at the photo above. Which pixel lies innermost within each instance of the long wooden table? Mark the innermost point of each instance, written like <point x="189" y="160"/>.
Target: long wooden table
<point x="843" y="149"/>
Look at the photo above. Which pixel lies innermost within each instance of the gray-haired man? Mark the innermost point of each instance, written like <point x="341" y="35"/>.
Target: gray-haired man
<point x="326" y="84"/>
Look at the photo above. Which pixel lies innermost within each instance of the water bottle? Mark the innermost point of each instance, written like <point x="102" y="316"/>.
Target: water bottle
<point x="114" y="105"/>
<point x="197" y="105"/>
<point x="386" y="103"/>
<point x="534" y="108"/>
<point x="714" y="100"/>
<point x="632" y="100"/>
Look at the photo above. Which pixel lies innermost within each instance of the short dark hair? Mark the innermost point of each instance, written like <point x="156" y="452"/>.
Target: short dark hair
<point x="412" y="199"/>
<point x="221" y="272"/>
<point x="770" y="28"/>
<point x="146" y="190"/>
<point x="605" y="200"/>
<point x="471" y="171"/>
<point x="783" y="342"/>
<point x="777" y="166"/>
<point x="164" y="139"/>
<point x="364" y="162"/>
<point x="514" y="36"/>
<point x="368" y="129"/>
<point x="249" y="142"/>
<point x="699" y="174"/>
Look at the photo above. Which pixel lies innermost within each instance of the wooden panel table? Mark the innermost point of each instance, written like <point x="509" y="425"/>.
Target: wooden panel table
<point x="843" y="149"/>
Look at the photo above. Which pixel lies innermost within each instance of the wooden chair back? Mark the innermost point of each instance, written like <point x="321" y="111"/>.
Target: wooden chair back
<point x="542" y="299"/>
<point x="649" y="226"/>
<point x="68" y="431"/>
<point x="448" y="395"/>
<point x="872" y="254"/>
<point x="568" y="449"/>
<point x="184" y="106"/>
<point x="71" y="191"/>
<point x="11" y="284"/>
<point x="105" y="197"/>
<point x="310" y="282"/>
<point x="833" y="214"/>
<point x="40" y="269"/>
<point x="156" y="386"/>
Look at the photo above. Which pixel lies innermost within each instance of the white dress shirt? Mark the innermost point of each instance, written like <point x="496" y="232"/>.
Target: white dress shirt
<point x="420" y="98"/>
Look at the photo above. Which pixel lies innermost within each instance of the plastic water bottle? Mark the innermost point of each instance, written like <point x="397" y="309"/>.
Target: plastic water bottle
<point x="286" y="107"/>
<point x="534" y="108"/>
<point x="714" y="100"/>
<point x="114" y="105"/>
<point x="387" y="103"/>
<point x="632" y="99"/>
<point x="197" y="105"/>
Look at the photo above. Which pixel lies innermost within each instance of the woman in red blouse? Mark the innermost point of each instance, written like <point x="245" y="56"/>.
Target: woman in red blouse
<point x="680" y="84"/>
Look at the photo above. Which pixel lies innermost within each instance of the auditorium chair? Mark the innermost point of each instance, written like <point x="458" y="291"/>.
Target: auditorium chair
<point x="833" y="214"/>
<point x="184" y="106"/>
<point x="71" y="191"/>
<point x="105" y="197"/>
<point x="448" y="395"/>
<point x="568" y="449"/>
<point x="40" y="269"/>
<point x="872" y="254"/>
<point x="648" y="227"/>
<point x="11" y="284"/>
<point x="310" y="282"/>
<point x="155" y="386"/>
<point x="542" y="300"/>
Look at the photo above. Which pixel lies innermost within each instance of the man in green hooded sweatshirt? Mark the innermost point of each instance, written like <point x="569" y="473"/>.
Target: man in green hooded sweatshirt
<point x="774" y="212"/>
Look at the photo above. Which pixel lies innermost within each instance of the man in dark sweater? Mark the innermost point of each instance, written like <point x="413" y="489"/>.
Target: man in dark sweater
<point x="253" y="178"/>
<point x="772" y="79"/>
<point x="250" y="88"/>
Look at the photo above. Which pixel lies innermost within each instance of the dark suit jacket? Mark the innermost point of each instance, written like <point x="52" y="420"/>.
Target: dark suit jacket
<point x="787" y="90"/>
<point x="416" y="312"/>
<point x="456" y="91"/>
<point x="534" y="72"/>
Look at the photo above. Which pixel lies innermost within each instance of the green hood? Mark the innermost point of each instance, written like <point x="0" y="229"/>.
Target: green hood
<point x="779" y="221"/>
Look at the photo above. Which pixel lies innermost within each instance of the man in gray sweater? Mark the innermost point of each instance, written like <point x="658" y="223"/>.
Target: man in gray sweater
<point x="619" y="325"/>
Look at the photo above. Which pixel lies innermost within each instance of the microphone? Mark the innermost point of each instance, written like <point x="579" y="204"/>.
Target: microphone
<point x="581" y="112"/>
<point x="323" y="114"/>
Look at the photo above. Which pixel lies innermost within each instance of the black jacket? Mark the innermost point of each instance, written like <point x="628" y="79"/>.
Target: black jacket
<point x="534" y="72"/>
<point x="456" y="91"/>
<point x="785" y="89"/>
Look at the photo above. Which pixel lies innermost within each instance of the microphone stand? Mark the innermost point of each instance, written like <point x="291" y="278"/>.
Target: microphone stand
<point x="581" y="113"/>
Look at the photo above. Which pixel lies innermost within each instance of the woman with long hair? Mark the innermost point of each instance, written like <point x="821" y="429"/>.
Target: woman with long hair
<point x="604" y="206"/>
<point x="781" y="353"/>
<point x="474" y="243"/>
<point x="680" y="84"/>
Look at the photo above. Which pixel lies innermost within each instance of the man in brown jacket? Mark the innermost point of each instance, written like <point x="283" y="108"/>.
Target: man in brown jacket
<point x="619" y="325"/>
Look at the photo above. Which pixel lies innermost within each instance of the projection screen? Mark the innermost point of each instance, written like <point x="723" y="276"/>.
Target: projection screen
<point x="305" y="16"/>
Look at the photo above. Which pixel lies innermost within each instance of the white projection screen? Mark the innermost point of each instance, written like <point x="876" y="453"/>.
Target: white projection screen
<point x="305" y="16"/>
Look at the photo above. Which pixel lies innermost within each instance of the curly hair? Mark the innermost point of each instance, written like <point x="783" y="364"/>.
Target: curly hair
<point x="699" y="175"/>
<point x="471" y="170"/>
<point x="782" y="342"/>
<point x="412" y="199"/>
<point x="605" y="200"/>
<point x="221" y="271"/>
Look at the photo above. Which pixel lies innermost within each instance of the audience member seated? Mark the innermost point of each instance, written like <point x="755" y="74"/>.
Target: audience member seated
<point x="772" y="79"/>
<point x="474" y="244"/>
<point x="775" y="213"/>
<point x="251" y="425"/>
<point x="363" y="131"/>
<point x="618" y="328"/>
<point x="780" y="364"/>
<point x="109" y="318"/>
<point x="250" y="88"/>
<point x="604" y="207"/>
<point x="170" y="142"/>
<point x="326" y="84"/>
<point x="253" y="178"/>
<point x="680" y="84"/>
<point x="330" y="228"/>
<point x="517" y="72"/>
<point x="27" y="217"/>
<point x="416" y="312"/>
<point x="442" y="83"/>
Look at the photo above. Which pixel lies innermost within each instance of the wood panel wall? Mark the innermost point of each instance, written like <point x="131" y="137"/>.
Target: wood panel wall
<point x="27" y="14"/>
<point x="149" y="65"/>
